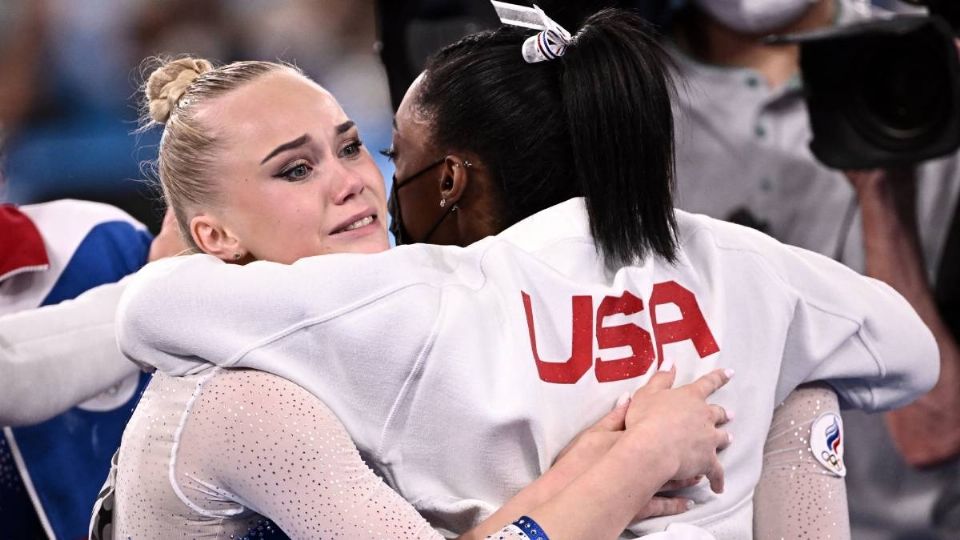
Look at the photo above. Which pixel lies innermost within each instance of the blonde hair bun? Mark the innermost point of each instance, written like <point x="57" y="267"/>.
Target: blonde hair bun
<point x="169" y="82"/>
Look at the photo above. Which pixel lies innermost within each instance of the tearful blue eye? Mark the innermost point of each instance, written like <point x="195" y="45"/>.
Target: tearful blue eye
<point x="298" y="172"/>
<point x="351" y="149"/>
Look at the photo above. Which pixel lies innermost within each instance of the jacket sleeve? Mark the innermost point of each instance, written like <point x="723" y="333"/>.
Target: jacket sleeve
<point x="55" y="357"/>
<point x="183" y="313"/>
<point x="854" y="332"/>
<point x="347" y="328"/>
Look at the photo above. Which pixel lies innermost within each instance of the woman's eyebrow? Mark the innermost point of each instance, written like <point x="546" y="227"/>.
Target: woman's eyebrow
<point x="344" y="127"/>
<point x="299" y="141"/>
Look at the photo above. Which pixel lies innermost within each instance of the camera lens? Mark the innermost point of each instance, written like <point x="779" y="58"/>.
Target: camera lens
<point x="899" y="101"/>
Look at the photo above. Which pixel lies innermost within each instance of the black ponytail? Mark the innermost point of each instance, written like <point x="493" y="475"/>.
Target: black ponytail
<point x="596" y="123"/>
<point x="616" y="94"/>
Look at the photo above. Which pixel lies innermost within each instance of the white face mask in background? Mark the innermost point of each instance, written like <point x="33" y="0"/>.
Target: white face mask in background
<point x="755" y="16"/>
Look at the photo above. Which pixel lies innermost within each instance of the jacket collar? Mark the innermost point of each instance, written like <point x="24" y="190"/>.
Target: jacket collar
<point x="21" y="245"/>
<point x="561" y="221"/>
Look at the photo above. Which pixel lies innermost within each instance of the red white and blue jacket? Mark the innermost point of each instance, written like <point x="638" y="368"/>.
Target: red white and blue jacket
<point x="50" y="472"/>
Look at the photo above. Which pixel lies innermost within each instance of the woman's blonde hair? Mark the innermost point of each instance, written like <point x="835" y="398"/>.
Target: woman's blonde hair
<point x="173" y="94"/>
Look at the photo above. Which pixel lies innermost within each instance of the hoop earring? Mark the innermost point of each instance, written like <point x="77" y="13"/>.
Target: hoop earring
<point x="237" y="255"/>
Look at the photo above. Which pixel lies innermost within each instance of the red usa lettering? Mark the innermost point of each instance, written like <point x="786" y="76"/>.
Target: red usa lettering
<point x="691" y="326"/>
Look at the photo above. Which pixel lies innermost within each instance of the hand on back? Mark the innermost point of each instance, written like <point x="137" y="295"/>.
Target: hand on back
<point x="683" y="422"/>
<point x="679" y="418"/>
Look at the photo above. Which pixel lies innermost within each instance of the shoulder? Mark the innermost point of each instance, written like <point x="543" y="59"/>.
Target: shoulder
<point x="706" y="242"/>
<point x="246" y="414"/>
<point x="72" y="227"/>
<point x="89" y="244"/>
<point x="264" y="396"/>
<point x="78" y="213"/>
<point x="697" y="231"/>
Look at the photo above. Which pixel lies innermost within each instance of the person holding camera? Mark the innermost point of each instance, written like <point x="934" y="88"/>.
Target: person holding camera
<point x="743" y="155"/>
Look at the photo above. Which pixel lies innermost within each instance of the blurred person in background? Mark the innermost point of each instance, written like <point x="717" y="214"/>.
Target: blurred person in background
<point x="742" y="155"/>
<point x="72" y="137"/>
<point x="50" y="472"/>
<point x="21" y="35"/>
<point x="57" y="435"/>
<point x="411" y="30"/>
<point x="66" y="391"/>
<point x="51" y="468"/>
<point x="70" y="121"/>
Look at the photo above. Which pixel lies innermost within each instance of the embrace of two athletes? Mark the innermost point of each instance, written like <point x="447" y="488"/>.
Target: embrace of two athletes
<point x="552" y="349"/>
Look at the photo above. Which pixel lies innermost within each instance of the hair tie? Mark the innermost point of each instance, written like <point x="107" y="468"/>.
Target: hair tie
<point x="549" y="44"/>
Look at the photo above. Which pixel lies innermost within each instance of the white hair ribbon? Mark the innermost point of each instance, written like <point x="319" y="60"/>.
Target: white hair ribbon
<point x="549" y="44"/>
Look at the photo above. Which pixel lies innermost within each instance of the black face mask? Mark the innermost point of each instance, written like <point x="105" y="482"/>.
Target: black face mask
<point x="400" y="233"/>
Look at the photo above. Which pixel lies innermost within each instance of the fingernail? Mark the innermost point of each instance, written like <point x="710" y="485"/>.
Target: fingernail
<point x="730" y="415"/>
<point x="729" y="438"/>
<point x="623" y="400"/>
<point x="729" y="373"/>
<point x="690" y="504"/>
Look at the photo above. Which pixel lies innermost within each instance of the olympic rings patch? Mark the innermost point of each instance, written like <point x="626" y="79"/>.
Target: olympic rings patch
<point x="826" y="443"/>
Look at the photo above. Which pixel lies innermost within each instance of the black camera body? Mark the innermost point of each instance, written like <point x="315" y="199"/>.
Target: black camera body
<point x="884" y="93"/>
<point x="948" y="9"/>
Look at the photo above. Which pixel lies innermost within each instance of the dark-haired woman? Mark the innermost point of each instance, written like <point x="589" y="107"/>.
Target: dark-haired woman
<point x="593" y="122"/>
<point x="462" y="373"/>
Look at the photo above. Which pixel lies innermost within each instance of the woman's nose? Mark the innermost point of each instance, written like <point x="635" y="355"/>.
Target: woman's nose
<point x="347" y="184"/>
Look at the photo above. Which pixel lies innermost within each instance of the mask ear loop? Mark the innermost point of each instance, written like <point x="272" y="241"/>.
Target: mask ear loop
<point x="450" y="210"/>
<point x="396" y="220"/>
<point x="400" y="234"/>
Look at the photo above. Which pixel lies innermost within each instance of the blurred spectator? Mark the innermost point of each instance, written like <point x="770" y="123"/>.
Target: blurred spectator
<point x="412" y="30"/>
<point x="21" y="35"/>
<point x="199" y="27"/>
<point x="71" y="70"/>
<point x="51" y="471"/>
<point x="742" y="154"/>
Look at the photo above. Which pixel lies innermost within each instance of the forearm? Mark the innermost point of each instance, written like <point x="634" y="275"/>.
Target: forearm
<point x="539" y="493"/>
<point x="533" y="496"/>
<point x="797" y="496"/>
<point x="599" y="503"/>
<point x="928" y="430"/>
<point x="55" y="357"/>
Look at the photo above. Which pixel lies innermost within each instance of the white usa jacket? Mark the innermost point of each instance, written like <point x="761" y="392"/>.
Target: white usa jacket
<point x="462" y="372"/>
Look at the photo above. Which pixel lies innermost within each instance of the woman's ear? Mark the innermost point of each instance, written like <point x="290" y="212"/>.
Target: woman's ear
<point x="455" y="178"/>
<point x="214" y="239"/>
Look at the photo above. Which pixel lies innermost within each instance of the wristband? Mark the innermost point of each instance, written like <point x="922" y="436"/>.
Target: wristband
<point x="530" y="528"/>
